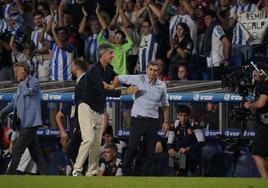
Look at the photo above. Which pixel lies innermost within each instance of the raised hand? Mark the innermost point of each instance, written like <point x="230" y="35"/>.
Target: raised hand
<point x="98" y="8"/>
<point x="84" y="11"/>
<point x="118" y="5"/>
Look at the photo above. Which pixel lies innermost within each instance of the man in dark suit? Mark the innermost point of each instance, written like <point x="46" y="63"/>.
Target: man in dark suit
<point x="79" y="68"/>
<point x="26" y="106"/>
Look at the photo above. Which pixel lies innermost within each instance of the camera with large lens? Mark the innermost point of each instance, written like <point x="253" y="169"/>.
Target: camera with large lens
<point x="239" y="80"/>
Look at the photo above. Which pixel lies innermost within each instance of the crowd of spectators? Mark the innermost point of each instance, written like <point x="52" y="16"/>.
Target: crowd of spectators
<point x="187" y="38"/>
<point x="203" y="35"/>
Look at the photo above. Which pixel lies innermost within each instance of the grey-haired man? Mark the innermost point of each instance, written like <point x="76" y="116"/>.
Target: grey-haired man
<point x="27" y="110"/>
<point x="91" y="108"/>
<point x="152" y="94"/>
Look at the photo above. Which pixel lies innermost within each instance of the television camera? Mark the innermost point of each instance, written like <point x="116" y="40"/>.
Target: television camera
<point x="240" y="80"/>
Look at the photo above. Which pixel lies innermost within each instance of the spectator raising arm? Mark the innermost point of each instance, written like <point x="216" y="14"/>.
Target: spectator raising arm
<point x="60" y="43"/>
<point x="61" y="9"/>
<point x="152" y="20"/>
<point x="139" y="12"/>
<point x="125" y="20"/>
<point x="83" y="22"/>
<point x="20" y="6"/>
<point x="163" y="11"/>
<point x="154" y="9"/>
<point x="115" y="18"/>
<point x="100" y="18"/>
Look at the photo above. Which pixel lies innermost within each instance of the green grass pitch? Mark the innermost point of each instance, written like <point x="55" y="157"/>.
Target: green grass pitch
<point x="129" y="182"/>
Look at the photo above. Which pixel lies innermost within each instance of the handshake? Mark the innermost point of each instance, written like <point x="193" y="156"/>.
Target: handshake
<point x="125" y="91"/>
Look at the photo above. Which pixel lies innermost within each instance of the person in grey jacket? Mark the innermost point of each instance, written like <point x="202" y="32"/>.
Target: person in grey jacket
<point x="27" y="118"/>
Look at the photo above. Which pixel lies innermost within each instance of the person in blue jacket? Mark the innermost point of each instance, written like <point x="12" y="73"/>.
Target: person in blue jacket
<point x="27" y="118"/>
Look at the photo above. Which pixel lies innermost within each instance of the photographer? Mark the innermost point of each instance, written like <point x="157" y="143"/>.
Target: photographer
<point x="185" y="143"/>
<point x="259" y="146"/>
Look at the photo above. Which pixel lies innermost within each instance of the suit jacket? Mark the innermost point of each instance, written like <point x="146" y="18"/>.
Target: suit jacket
<point x="78" y="96"/>
<point x="78" y="90"/>
<point x="27" y="103"/>
<point x="94" y="93"/>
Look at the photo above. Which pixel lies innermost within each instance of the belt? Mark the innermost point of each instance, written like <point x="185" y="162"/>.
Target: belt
<point x="145" y="118"/>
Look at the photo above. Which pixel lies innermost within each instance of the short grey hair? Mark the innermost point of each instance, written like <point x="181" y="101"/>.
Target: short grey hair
<point x="112" y="146"/>
<point x="103" y="48"/>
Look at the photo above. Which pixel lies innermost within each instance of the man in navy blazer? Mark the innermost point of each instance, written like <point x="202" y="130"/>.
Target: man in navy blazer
<point x="27" y="109"/>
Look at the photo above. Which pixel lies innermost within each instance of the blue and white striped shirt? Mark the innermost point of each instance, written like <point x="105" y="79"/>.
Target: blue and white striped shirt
<point x="60" y="68"/>
<point x="3" y="26"/>
<point x="90" y="51"/>
<point x="147" y="50"/>
<point x="35" y="36"/>
<point x="7" y="8"/>
<point x="32" y="62"/>
<point x="238" y="32"/>
<point x="149" y="96"/>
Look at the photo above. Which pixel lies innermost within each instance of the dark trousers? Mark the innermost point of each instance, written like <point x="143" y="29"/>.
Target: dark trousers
<point x="28" y="138"/>
<point x="74" y="145"/>
<point x="148" y="128"/>
<point x="73" y="148"/>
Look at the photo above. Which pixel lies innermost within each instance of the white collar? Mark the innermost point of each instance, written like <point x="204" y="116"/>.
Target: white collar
<point x="78" y="79"/>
